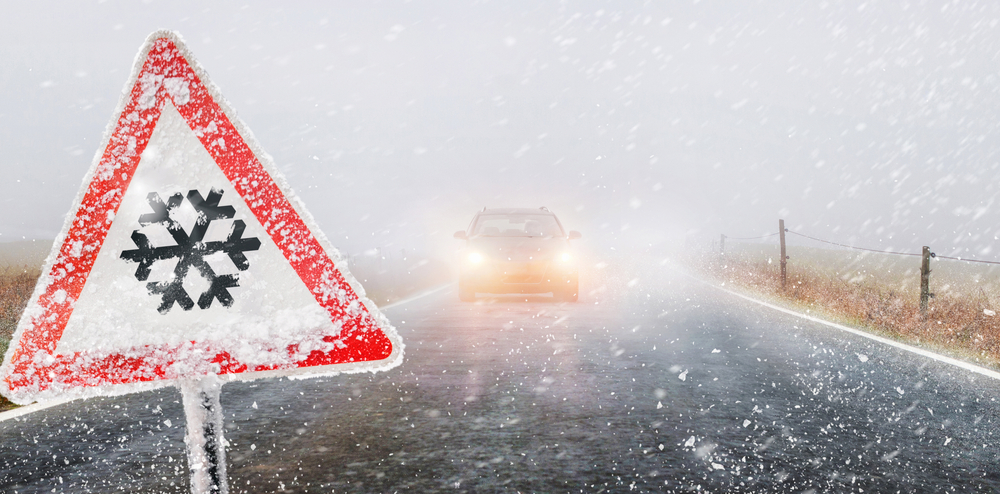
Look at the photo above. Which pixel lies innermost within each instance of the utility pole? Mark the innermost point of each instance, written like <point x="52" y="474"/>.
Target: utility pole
<point x="722" y="245"/>
<point x="781" y="235"/>
<point x="925" y="278"/>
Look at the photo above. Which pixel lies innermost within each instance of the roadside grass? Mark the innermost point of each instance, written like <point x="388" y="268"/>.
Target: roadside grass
<point x="876" y="293"/>
<point x="16" y="285"/>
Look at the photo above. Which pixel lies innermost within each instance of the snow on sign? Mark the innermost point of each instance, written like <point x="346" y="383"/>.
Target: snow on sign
<point x="186" y="255"/>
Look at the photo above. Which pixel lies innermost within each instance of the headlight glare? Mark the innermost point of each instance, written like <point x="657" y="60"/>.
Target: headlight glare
<point x="475" y="258"/>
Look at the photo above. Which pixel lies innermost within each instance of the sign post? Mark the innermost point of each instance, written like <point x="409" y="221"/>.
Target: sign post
<point x="205" y="444"/>
<point x="188" y="261"/>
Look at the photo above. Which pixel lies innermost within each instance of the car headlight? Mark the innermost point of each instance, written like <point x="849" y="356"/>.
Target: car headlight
<point x="565" y="257"/>
<point x="474" y="258"/>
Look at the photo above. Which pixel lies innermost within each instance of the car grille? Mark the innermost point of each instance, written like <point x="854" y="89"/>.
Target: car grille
<point x="522" y="272"/>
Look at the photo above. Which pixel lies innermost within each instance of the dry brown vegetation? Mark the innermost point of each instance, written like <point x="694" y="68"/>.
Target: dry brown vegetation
<point x="964" y="324"/>
<point x="16" y="285"/>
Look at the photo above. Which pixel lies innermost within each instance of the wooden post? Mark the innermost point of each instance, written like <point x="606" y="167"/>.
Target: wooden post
<point x="781" y="235"/>
<point x="925" y="278"/>
<point x="722" y="245"/>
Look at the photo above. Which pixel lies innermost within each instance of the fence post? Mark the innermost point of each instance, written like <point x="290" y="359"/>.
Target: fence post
<point x="781" y="235"/>
<point x="722" y="245"/>
<point x="925" y="277"/>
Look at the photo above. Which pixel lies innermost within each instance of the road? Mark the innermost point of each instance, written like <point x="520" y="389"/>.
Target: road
<point x="652" y="382"/>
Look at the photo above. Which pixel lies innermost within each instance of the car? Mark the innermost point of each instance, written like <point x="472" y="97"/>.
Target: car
<point x="518" y="250"/>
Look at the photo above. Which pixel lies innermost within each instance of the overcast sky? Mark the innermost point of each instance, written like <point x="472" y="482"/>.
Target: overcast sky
<point x="865" y="123"/>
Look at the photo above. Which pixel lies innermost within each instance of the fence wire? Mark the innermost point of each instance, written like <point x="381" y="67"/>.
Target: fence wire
<point x="854" y="247"/>
<point x="752" y="238"/>
<point x="961" y="259"/>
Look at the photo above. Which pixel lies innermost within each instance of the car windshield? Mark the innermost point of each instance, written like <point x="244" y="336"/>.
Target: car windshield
<point x="517" y="225"/>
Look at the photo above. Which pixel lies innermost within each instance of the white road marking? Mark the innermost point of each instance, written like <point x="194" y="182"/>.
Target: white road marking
<point x="415" y="297"/>
<point x="32" y="408"/>
<point x="902" y="346"/>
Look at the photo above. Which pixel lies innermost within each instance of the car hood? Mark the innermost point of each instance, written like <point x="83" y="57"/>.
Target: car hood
<point x="518" y="248"/>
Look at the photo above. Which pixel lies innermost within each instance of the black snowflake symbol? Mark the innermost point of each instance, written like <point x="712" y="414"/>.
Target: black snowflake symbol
<point x="190" y="250"/>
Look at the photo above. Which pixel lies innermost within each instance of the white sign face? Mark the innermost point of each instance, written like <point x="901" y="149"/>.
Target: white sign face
<point x="186" y="255"/>
<point x="265" y="300"/>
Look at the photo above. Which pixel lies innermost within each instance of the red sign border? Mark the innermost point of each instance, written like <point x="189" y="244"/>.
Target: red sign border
<point x="33" y="369"/>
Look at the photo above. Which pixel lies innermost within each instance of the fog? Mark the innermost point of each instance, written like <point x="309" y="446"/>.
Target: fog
<point x="639" y="125"/>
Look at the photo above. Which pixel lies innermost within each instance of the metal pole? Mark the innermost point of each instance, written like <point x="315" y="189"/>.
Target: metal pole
<point x="722" y="245"/>
<point x="784" y="258"/>
<point x="925" y="278"/>
<point x="205" y="445"/>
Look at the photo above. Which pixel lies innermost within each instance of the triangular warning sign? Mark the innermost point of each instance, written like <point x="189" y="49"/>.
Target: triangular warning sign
<point x="187" y="255"/>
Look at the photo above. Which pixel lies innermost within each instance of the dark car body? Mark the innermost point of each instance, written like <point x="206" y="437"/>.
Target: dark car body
<point x="517" y="251"/>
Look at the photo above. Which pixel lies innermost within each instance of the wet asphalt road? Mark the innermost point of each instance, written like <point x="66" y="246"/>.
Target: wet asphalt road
<point x="651" y="383"/>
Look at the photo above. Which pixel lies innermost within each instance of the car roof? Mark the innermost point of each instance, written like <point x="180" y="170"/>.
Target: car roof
<point x="516" y="211"/>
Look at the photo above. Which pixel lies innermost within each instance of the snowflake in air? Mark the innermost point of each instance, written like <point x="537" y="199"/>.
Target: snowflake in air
<point x="190" y="250"/>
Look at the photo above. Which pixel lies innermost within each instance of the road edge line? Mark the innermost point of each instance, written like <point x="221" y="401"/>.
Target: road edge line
<point x="902" y="346"/>
<point x="415" y="297"/>
<point x="32" y="408"/>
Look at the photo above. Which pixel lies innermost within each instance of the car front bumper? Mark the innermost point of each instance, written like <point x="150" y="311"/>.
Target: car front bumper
<point x="518" y="277"/>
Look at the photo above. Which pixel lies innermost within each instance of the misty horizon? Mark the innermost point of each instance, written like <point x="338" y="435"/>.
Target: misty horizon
<point x="394" y="123"/>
